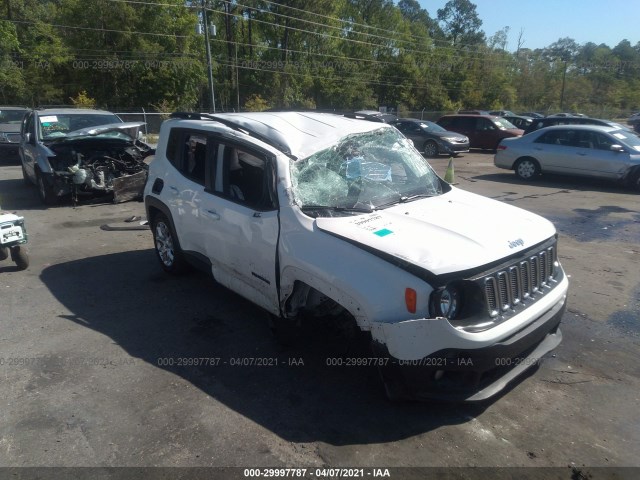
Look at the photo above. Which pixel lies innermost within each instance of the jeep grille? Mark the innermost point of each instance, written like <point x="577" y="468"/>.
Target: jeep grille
<point x="520" y="282"/>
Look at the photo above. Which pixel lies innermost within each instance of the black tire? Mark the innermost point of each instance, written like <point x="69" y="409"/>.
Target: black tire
<point x="45" y="192"/>
<point x="25" y="177"/>
<point x="287" y="332"/>
<point x="634" y="181"/>
<point x="527" y="168"/>
<point x="430" y="148"/>
<point x="167" y="246"/>
<point x="4" y="253"/>
<point x="20" y="256"/>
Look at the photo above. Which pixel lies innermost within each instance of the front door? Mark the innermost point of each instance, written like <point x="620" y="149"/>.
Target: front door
<point x="240" y="224"/>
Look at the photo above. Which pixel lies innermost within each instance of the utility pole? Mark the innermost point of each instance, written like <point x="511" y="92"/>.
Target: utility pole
<point x="212" y="96"/>
<point x="237" y="83"/>
<point x="564" y="76"/>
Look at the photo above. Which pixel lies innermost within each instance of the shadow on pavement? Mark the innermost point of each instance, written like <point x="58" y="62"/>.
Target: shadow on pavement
<point x="154" y="316"/>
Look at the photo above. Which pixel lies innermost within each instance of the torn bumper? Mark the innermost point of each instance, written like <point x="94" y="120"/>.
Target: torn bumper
<point x="124" y="188"/>
<point x="431" y="359"/>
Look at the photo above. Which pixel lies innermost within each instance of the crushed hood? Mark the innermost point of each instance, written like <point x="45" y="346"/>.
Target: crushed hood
<point x="129" y="128"/>
<point x="449" y="233"/>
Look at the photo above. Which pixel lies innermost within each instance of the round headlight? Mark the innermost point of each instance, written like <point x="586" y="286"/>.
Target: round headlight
<point x="448" y="302"/>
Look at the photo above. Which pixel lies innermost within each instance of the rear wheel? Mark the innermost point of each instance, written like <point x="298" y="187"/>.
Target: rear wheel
<point x="4" y="253"/>
<point x="431" y="148"/>
<point x="527" y="168"/>
<point x="20" y="256"/>
<point x="167" y="247"/>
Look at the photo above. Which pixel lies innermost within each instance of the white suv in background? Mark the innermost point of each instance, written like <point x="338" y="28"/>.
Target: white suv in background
<point x="317" y="214"/>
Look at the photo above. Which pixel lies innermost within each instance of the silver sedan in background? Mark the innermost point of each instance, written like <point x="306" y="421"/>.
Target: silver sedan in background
<point x="583" y="150"/>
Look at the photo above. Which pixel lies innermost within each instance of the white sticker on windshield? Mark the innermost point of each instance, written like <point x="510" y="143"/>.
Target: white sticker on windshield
<point x="48" y="119"/>
<point x="619" y="135"/>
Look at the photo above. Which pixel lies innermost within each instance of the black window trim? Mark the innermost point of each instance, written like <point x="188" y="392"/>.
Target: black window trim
<point x="270" y="168"/>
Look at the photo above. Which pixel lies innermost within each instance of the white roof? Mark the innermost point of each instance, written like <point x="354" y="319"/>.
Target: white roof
<point x="299" y="133"/>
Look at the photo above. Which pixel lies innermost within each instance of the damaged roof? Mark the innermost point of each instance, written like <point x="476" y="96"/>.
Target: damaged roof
<point x="299" y="134"/>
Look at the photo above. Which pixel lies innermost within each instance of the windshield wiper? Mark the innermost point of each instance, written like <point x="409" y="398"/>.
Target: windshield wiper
<point x="337" y="209"/>
<point x="410" y="198"/>
<point x="404" y="199"/>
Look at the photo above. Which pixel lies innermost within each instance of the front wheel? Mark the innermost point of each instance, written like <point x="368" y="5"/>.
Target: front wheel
<point x="45" y="191"/>
<point x="527" y="169"/>
<point x="4" y="253"/>
<point x="20" y="256"/>
<point x="431" y="148"/>
<point x="25" y="177"/>
<point x="634" y="183"/>
<point x="167" y="247"/>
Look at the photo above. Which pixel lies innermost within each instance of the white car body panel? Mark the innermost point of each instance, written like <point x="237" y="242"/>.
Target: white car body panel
<point x="456" y="223"/>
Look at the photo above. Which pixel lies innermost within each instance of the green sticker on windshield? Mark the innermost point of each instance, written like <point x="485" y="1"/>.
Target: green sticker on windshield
<point x="383" y="233"/>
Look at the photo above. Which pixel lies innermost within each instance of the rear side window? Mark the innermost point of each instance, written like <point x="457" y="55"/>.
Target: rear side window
<point x="445" y="122"/>
<point x="193" y="153"/>
<point x="555" y="137"/>
<point x="172" y="146"/>
<point x="467" y="123"/>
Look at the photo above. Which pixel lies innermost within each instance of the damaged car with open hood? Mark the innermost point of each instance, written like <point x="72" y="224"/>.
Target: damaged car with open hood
<point x="82" y="153"/>
<point x="313" y="215"/>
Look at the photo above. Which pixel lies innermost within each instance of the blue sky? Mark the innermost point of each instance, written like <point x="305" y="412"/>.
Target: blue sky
<point x="545" y="21"/>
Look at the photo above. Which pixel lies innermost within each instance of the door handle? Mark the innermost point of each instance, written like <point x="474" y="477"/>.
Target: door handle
<point x="174" y="190"/>
<point x="212" y="214"/>
<point x="582" y="154"/>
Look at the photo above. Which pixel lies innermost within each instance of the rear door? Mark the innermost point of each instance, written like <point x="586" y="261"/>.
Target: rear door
<point x="556" y="151"/>
<point x="192" y="153"/>
<point x="486" y="134"/>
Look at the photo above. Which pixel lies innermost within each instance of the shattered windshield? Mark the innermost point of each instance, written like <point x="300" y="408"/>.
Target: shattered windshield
<point x="363" y="172"/>
<point x="58" y="125"/>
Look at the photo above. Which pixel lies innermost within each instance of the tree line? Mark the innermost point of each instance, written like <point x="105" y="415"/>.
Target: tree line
<point x="333" y="55"/>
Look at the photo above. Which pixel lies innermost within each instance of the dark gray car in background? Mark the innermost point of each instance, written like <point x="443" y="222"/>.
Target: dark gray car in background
<point x="430" y="138"/>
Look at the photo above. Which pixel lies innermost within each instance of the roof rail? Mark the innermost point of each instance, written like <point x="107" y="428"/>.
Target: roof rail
<point x="234" y="126"/>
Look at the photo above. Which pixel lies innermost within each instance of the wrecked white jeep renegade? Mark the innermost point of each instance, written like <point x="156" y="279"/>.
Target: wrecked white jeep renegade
<point x="305" y="213"/>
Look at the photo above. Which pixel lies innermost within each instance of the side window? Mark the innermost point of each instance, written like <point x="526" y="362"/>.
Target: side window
<point x="193" y="154"/>
<point x="247" y="178"/>
<point x="445" y="122"/>
<point x="401" y="126"/>
<point x="555" y="137"/>
<point x="465" y="123"/>
<point x="586" y="139"/>
<point x="27" y="124"/>
<point x="485" y="125"/>
<point x="194" y="158"/>
<point x="565" y="138"/>
<point x="175" y="136"/>
<point x="603" y="142"/>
